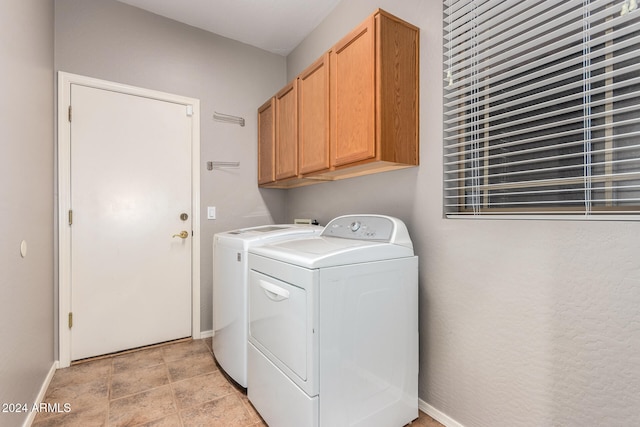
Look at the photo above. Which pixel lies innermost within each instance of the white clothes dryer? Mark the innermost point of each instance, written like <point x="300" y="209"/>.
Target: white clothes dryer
<point x="333" y="327"/>
<point x="230" y="304"/>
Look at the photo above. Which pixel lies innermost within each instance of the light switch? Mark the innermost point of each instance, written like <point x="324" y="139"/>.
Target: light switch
<point x="211" y="212"/>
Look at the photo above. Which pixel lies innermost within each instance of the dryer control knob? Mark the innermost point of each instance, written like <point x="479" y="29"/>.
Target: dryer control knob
<point x="355" y="226"/>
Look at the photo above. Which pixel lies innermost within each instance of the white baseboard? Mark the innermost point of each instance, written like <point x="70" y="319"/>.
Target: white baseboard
<point x="206" y="334"/>
<point x="437" y="415"/>
<point x="41" y="394"/>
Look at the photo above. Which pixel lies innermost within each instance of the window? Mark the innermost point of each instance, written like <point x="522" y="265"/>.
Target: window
<point x="541" y="107"/>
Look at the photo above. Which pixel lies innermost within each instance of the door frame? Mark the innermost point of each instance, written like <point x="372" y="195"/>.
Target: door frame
<point x="65" y="80"/>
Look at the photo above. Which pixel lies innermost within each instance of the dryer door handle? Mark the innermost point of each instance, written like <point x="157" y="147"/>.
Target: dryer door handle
<point x="274" y="292"/>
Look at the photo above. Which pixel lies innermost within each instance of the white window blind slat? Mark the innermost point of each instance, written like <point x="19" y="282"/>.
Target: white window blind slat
<point x="509" y="13"/>
<point x="529" y="27"/>
<point x="558" y="185"/>
<point x="540" y="155"/>
<point x="543" y="193"/>
<point x="529" y="59"/>
<point x="487" y="120"/>
<point x="514" y="147"/>
<point x="464" y="14"/>
<point x="529" y="172"/>
<point x="521" y="19"/>
<point x="544" y="102"/>
<point x="541" y="107"/>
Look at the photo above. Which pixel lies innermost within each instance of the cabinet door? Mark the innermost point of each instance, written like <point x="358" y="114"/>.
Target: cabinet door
<point x="313" y="108"/>
<point x="287" y="132"/>
<point x="266" y="142"/>
<point x="352" y="96"/>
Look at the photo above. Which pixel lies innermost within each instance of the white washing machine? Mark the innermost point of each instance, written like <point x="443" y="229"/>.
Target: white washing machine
<point x="333" y="326"/>
<point x="230" y="304"/>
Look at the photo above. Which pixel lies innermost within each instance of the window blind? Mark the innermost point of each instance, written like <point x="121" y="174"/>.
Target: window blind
<point x="541" y="107"/>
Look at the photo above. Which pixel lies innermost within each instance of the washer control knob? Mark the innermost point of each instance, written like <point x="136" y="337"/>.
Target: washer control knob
<point x="355" y="226"/>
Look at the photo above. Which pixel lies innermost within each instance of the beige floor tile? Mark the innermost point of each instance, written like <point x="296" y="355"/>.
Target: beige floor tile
<point x="137" y="360"/>
<point x="178" y="385"/>
<point x="94" y="416"/>
<point x="94" y="390"/>
<point x="425" y="420"/>
<point x="170" y="421"/>
<point x="134" y="381"/>
<point x="227" y="411"/>
<point x="230" y="380"/>
<point x="191" y="366"/>
<point x="253" y="413"/>
<point x="142" y="408"/>
<point x="185" y="349"/>
<point x="81" y="373"/>
<point x="209" y="343"/>
<point x="79" y="397"/>
<point x="201" y="389"/>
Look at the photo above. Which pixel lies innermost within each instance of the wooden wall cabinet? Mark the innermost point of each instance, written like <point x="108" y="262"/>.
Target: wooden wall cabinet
<point x="357" y="107"/>
<point x="286" y="143"/>
<point x="301" y="135"/>
<point x="353" y="105"/>
<point x="313" y="110"/>
<point x="374" y="98"/>
<point x="266" y="143"/>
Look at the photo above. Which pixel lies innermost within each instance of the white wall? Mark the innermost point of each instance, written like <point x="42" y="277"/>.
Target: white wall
<point x="113" y="41"/>
<point x="522" y="322"/>
<point x="26" y="201"/>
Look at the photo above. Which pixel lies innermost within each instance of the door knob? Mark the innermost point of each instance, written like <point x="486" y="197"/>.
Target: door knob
<point x="183" y="234"/>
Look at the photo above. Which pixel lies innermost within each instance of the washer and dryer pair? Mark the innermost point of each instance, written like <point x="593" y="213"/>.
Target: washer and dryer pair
<point x="333" y="326"/>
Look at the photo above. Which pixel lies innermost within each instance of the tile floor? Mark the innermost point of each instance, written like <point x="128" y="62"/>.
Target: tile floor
<point x="178" y="384"/>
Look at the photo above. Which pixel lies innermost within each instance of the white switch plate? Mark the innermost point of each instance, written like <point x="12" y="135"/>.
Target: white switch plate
<point x="211" y="212"/>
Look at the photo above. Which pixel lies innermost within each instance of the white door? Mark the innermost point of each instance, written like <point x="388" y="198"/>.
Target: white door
<point x="131" y="197"/>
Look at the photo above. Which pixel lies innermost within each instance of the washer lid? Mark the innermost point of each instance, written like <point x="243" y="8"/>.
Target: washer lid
<point x="270" y="232"/>
<point x="260" y="229"/>
<point x="346" y="240"/>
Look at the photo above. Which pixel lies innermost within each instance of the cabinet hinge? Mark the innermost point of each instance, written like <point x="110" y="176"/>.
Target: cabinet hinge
<point x="69" y="113"/>
<point x="70" y="320"/>
<point x="70" y="217"/>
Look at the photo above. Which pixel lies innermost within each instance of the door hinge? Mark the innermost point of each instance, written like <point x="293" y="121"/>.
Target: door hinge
<point x="70" y="217"/>
<point x="69" y="112"/>
<point x="70" y="320"/>
<point x="189" y="110"/>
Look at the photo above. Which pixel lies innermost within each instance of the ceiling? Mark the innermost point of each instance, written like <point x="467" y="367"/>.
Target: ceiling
<point x="277" y="26"/>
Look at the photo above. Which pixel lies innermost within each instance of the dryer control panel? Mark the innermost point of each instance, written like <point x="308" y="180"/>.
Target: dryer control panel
<point x="362" y="227"/>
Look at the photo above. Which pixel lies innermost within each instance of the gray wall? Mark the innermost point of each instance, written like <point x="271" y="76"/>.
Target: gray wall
<point x="113" y="41"/>
<point x="26" y="201"/>
<point x="522" y="322"/>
